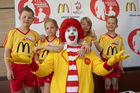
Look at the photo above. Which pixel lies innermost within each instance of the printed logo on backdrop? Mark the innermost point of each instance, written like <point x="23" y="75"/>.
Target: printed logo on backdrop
<point x="63" y="8"/>
<point x="77" y="6"/>
<point x="103" y="8"/>
<point x="134" y="41"/>
<point x="70" y="9"/>
<point x="41" y="9"/>
<point x="133" y="8"/>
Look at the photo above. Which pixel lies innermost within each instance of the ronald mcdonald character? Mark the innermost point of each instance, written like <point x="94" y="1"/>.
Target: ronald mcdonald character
<point x="72" y="74"/>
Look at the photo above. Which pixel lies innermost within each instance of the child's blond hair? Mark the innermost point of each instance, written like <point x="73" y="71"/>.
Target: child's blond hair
<point x="51" y="20"/>
<point x="87" y="19"/>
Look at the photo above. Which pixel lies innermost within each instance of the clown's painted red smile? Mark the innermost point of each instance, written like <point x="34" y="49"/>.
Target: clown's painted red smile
<point x="71" y="35"/>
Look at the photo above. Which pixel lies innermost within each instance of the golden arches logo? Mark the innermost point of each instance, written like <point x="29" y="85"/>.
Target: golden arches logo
<point x="62" y="7"/>
<point x="23" y="47"/>
<point x="44" y="52"/>
<point x="112" y="49"/>
<point x="131" y="6"/>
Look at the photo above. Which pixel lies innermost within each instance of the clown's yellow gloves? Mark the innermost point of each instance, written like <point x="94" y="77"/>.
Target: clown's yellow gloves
<point x="117" y="58"/>
<point x="8" y="59"/>
<point x="25" y="59"/>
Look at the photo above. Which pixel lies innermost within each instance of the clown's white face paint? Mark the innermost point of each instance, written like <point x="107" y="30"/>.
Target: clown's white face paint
<point x="71" y="36"/>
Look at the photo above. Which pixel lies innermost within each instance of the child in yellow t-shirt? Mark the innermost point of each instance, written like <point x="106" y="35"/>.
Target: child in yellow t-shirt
<point x="51" y="40"/>
<point x="89" y="34"/>
<point x="108" y="45"/>
<point x="19" y="45"/>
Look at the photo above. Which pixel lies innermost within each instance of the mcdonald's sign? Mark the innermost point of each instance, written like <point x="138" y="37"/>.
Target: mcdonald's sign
<point x="112" y="50"/>
<point x="23" y="47"/>
<point x="131" y="6"/>
<point x="63" y="7"/>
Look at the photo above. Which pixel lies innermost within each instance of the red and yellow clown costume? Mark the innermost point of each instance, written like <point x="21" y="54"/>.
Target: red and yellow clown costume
<point x="59" y="64"/>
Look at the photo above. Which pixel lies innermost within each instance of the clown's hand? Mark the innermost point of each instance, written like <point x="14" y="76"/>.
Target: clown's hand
<point x="8" y="59"/>
<point x="25" y="59"/>
<point x="117" y="57"/>
<point x="14" y="58"/>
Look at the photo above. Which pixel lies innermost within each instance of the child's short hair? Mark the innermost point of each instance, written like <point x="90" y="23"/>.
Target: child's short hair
<point x="87" y="19"/>
<point x="26" y="8"/>
<point x="114" y="17"/>
<point x="50" y="20"/>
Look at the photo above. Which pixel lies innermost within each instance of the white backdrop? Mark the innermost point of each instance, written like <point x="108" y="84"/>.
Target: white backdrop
<point x="127" y="12"/>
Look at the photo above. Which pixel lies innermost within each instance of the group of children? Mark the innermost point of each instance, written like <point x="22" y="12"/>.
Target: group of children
<point x="23" y="41"/>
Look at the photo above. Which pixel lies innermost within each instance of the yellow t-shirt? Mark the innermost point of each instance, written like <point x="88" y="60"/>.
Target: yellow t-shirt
<point x="43" y="53"/>
<point x="88" y="38"/>
<point x="110" y="45"/>
<point x="21" y="43"/>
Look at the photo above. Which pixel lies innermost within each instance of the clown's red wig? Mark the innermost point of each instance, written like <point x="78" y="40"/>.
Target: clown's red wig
<point x="71" y="22"/>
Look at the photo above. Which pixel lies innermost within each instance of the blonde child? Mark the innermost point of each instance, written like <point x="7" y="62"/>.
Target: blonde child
<point x="89" y="33"/>
<point x="108" y="45"/>
<point x="19" y="45"/>
<point x="86" y="25"/>
<point x="51" y="40"/>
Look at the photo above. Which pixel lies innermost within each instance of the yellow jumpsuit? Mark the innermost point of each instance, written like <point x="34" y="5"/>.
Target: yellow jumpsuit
<point x="58" y="63"/>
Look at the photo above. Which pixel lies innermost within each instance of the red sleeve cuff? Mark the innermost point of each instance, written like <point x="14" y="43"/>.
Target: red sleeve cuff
<point x="34" y="66"/>
<point x="107" y="67"/>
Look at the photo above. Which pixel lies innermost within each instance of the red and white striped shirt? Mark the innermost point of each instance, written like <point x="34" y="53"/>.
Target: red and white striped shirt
<point x="72" y="84"/>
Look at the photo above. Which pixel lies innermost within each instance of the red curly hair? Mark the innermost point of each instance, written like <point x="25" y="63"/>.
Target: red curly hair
<point x="70" y="22"/>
